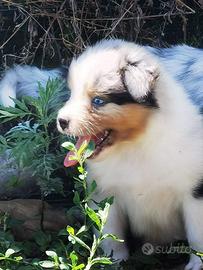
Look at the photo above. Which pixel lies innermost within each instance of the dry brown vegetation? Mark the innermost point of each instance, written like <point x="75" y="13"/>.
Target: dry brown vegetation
<point x="49" y="32"/>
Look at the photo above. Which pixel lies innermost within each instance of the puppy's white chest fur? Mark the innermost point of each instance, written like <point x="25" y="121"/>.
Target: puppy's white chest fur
<point x="151" y="177"/>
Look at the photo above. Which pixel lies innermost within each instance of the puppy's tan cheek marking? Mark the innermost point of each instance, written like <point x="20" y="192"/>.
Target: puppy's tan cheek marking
<point x="130" y="121"/>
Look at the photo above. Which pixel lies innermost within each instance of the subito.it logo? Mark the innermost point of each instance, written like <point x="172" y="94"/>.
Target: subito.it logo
<point x="147" y="249"/>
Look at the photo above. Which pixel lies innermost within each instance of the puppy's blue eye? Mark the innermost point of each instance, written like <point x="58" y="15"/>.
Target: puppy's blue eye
<point x="97" y="102"/>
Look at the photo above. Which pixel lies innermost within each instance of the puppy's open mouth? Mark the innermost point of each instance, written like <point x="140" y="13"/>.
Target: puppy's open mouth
<point x="101" y="140"/>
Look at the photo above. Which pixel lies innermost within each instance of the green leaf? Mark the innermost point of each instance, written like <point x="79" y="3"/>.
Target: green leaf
<point x="80" y="169"/>
<point x="78" y="240"/>
<point x="21" y="105"/>
<point x="82" y="148"/>
<point x="101" y="260"/>
<point x="103" y="214"/>
<point x="10" y="252"/>
<point x="6" y="114"/>
<point x="89" y="150"/>
<point x="69" y="145"/>
<point x="93" y="216"/>
<point x="81" y="176"/>
<point x="93" y="186"/>
<point x="3" y="140"/>
<point x="63" y="266"/>
<point x="47" y="264"/>
<point x="51" y="253"/>
<point x="10" y="113"/>
<point x="78" y="267"/>
<point x="76" y="198"/>
<point x="74" y="258"/>
<point x="82" y="229"/>
<point x="112" y="236"/>
<point x="70" y="230"/>
<point x="18" y="258"/>
<point x="102" y="203"/>
<point x="71" y="239"/>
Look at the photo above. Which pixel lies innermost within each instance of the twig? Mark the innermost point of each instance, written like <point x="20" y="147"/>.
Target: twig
<point x="12" y="35"/>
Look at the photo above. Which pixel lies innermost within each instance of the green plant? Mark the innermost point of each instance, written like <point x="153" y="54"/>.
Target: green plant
<point x="82" y="251"/>
<point x="34" y="141"/>
<point x="97" y="218"/>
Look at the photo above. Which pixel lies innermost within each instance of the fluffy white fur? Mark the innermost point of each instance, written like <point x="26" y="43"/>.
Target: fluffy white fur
<point x="153" y="175"/>
<point x="23" y="80"/>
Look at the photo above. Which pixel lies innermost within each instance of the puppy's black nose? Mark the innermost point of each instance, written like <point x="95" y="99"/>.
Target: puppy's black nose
<point x="63" y="123"/>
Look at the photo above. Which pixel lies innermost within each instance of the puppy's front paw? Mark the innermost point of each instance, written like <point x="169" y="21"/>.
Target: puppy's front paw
<point x="195" y="263"/>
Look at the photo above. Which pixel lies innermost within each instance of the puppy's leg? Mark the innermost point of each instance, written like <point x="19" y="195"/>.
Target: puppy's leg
<point x="193" y="214"/>
<point x="116" y="225"/>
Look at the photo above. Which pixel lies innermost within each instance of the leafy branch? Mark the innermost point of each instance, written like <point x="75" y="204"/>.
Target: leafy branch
<point x="97" y="217"/>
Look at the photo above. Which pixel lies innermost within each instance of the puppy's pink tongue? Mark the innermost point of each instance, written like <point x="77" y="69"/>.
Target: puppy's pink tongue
<point x="67" y="161"/>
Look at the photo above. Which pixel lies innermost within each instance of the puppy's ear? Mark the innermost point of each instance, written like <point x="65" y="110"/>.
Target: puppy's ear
<point x="140" y="76"/>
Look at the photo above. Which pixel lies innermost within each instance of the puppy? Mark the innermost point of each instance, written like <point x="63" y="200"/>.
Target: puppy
<point x="149" y="140"/>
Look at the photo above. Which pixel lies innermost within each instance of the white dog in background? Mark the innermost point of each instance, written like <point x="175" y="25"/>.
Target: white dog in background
<point x="23" y="81"/>
<point x="149" y="140"/>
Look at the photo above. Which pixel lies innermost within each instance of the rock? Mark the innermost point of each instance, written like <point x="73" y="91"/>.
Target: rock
<point x="30" y="213"/>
